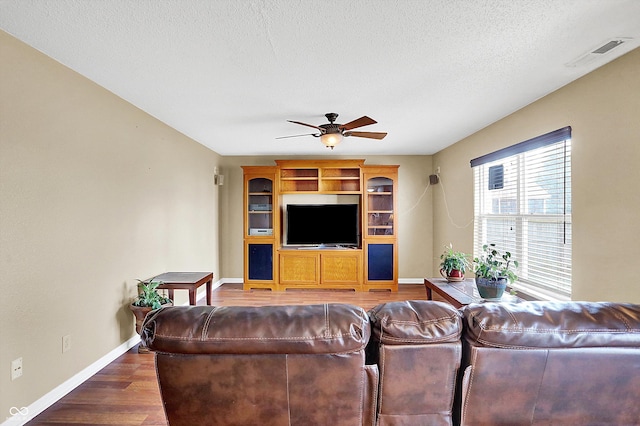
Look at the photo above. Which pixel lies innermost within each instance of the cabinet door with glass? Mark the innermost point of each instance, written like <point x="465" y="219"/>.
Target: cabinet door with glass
<point x="259" y="209"/>
<point x="260" y="226"/>
<point x="380" y="226"/>
<point x="380" y="199"/>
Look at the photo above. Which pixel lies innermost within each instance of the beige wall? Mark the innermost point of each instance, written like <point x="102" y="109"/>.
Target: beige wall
<point x="603" y="109"/>
<point x="94" y="194"/>
<point x="414" y="206"/>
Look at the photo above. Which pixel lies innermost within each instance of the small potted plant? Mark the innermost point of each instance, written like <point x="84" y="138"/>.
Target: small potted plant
<point x="148" y="299"/>
<point x="454" y="264"/>
<point x="494" y="270"/>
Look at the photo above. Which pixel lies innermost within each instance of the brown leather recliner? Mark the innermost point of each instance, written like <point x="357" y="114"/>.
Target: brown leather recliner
<point x="416" y="345"/>
<point x="545" y="363"/>
<point x="273" y="365"/>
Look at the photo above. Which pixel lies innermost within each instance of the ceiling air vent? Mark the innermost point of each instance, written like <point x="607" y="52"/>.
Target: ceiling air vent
<point x="607" y="47"/>
<point x="598" y="52"/>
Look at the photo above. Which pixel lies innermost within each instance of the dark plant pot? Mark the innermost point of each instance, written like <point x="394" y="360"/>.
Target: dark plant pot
<point x="491" y="288"/>
<point x="139" y="312"/>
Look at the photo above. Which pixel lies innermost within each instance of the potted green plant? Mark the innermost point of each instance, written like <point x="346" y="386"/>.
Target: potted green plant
<point x="494" y="270"/>
<point x="148" y="299"/>
<point x="454" y="264"/>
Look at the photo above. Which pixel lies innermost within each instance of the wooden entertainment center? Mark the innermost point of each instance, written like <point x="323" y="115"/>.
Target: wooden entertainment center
<point x="371" y="264"/>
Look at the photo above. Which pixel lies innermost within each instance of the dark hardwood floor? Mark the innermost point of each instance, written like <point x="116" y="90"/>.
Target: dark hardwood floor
<point x="126" y="391"/>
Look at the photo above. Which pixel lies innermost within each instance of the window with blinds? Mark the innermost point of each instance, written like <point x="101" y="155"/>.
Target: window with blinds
<point x="523" y="205"/>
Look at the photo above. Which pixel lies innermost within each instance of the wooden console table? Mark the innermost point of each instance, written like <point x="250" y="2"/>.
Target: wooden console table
<point x="186" y="281"/>
<point x="461" y="293"/>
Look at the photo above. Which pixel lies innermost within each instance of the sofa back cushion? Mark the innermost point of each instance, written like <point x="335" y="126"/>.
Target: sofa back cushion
<point x="416" y="345"/>
<point x="421" y="322"/>
<point x="551" y="363"/>
<point x="299" y="329"/>
<point x="277" y="365"/>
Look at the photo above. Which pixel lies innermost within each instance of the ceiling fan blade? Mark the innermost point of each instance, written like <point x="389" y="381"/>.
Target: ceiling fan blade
<point x="297" y="136"/>
<point x="305" y="124"/>
<point x="362" y="121"/>
<point x="370" y="135"/>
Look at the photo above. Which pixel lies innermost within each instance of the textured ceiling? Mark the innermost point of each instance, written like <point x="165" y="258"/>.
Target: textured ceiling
<point x="229" y="73"/>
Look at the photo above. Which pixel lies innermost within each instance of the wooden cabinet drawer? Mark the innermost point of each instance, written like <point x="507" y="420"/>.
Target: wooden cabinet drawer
<point x="299" y="267"/>
<point x="341" y="268"/>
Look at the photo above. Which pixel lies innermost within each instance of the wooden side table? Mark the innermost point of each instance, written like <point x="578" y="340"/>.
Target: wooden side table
<point x="186" y="281"/>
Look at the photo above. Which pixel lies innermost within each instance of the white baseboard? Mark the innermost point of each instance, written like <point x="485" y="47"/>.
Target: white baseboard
<point x="20" y="416"/>
<point x="230" y="281"/>
<point x="411" y="281"/>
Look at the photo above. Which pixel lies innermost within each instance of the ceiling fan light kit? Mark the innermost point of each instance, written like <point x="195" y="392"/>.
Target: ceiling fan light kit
<point x="330" y="140"/>
<point x="331" y="134"/>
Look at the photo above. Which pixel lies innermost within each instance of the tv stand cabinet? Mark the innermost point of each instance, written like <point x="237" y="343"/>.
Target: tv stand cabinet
<point x="320" y="268"/>
<point x="269" y="264"/>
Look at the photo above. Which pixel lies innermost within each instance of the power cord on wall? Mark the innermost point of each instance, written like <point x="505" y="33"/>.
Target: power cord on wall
<point x="417" y="202"/>
<point x="446" y="206"/>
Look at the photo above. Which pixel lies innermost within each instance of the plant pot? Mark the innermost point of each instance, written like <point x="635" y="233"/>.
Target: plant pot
<point x="490" y="288"/>
<point x="140" y="312"/>
<point x="454" y="275"/>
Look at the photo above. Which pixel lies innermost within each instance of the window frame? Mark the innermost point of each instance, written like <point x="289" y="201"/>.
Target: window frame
<point x="522" y="221"/>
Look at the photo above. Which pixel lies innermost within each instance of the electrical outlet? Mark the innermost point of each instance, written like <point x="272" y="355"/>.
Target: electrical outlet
<point x="16" y="368"/>
<point x="66" y="343"/>
<point x="438" y="170"/>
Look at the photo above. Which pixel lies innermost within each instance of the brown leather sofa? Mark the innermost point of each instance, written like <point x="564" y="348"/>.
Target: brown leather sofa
<point x="531" y="363"/>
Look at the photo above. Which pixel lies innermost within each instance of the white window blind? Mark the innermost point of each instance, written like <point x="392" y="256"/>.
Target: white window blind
<point x="523" y="205"/>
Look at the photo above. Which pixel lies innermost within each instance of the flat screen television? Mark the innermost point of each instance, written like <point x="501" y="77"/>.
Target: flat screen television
<point x="322" y="224"/>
